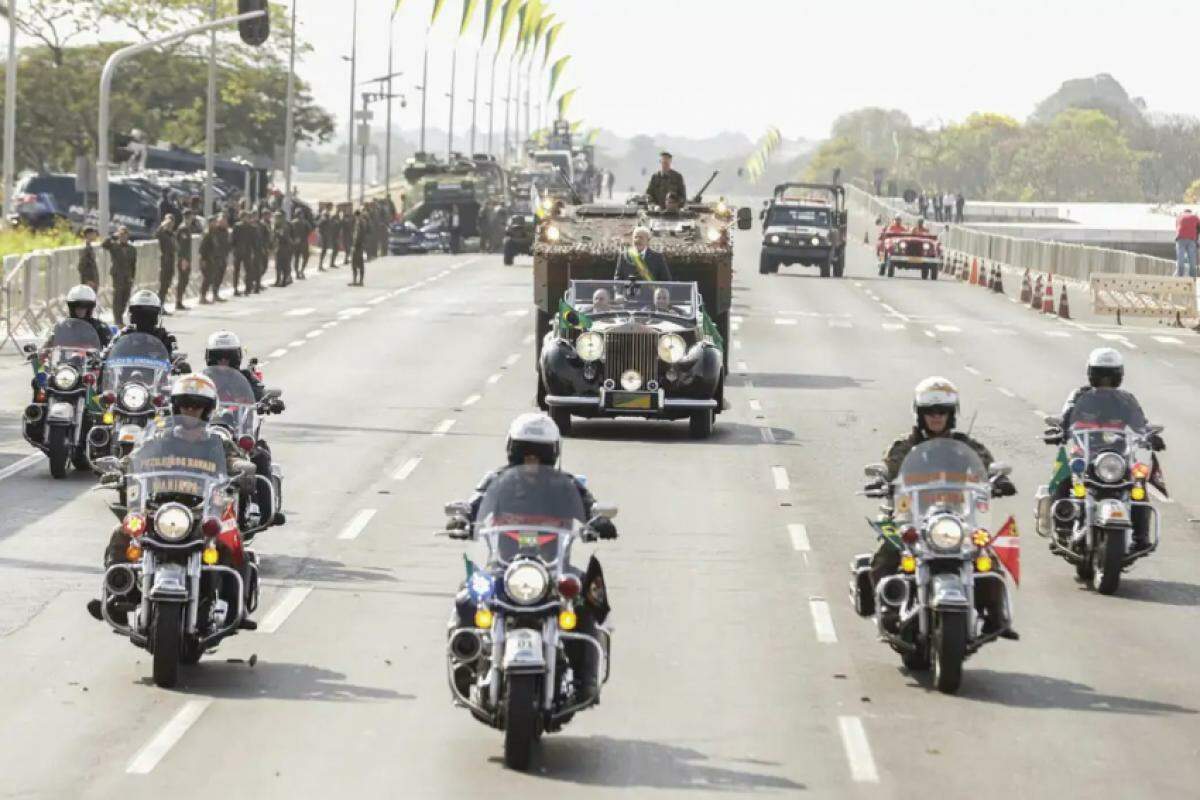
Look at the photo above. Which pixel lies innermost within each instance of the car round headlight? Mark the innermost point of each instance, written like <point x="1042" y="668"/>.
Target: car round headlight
<point x="134" y="396"/>
<point x="774" y="238"/>
<point x="1109" y="467"/>
<point x="713" y="235"/>
<point x="946" y="534"/>
<point x="816" y="240"/>
<point x="173" y="522"/>
<point x="631" y="380"/>
<point x="553" y="234"/>
<point x="65" y="378"/>
<point x="927" y="247"/>
<point x="590" y="346"/>
<point x="671" y="348"/>
<point x="526" y="582"/>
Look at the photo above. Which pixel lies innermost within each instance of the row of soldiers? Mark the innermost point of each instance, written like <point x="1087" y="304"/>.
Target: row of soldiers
<point x="249" y="237"/>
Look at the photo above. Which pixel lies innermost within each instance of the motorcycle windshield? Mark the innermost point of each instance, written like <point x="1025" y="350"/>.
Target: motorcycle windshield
<point x="237" y="409"/>
<point x="136" y="357"/>
<point x="530" y="511"/>
<point x="179" y="459"/>
<point x="1107" y="410"/>
<point x="942" y="476"/>
<point x="74" y="334"/>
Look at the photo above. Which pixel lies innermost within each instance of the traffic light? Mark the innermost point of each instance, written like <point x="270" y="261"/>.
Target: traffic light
<point x="254" y="31"/>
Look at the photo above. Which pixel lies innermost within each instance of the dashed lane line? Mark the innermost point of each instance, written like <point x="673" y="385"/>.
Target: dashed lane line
<point x="1059" y="334"/>
<point x="948" y="328"/>
<point x="357" y="525"/>
<point x="822" y="620"/>
<point x="299" y="312"/>
<point x="407" y="469"/>
<point x="930" y="334"/>
<point x="374" y="301"/>
<point x="472" y="400"/>
<point x="290" y="601"/>
<point x="1119" y="339"/>
<point x="494" y="378"/>
<point x="893" y="326"/>
<point x="443" y="427"/>
<point x="517" y="312"/>
<point x="314" y="334"/>
<point x="785" y="321"/>
<point x="1004" y="391"/>
<point x="799" y="536"/>
<point x="146" y="759"/>
<point x="948" y="351"/>
<point x="514" y="358"/>
<point x="780" y="477"/>
<point x="972" y="370"/>
<point x="1167" y="340"/>
<point x="755" y="405"/>
<point x="858" y="750"/>
<point x="895" y="313"/>
<point x="297" y="343"/>
<point x="768" y="435"/>
<point x="330" y="324"/>
<point x="277" y="353"/>
<point x="25" y="463"/>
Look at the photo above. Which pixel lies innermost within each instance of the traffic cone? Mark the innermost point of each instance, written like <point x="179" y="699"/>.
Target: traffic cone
<point x="1064" y="306"/>
<point x="1035" y="298"/>
<point x="866" y="237"/>
<point x="999" y="287"/>
<point x="991" y="280"/>
<point x="974" y="272"/>
<point x="1048" y="300"/>
<point x="1026" y="288"/>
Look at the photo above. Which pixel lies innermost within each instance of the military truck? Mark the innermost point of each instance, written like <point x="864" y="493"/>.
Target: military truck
<point x="805" y="224"/>
<point x="522" y="220"/>
<point x="585" y="243"/>
<point x="470" y="193"/>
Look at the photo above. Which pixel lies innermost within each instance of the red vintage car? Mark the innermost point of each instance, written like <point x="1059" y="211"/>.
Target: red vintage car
<point x="909" y="249"/>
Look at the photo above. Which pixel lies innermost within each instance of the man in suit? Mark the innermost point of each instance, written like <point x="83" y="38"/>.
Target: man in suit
<point x="664" y="182"/>
<point x="640" y="262"/>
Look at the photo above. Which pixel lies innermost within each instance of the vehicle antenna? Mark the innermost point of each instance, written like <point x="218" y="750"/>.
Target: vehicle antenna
<point x="971" y="427"/>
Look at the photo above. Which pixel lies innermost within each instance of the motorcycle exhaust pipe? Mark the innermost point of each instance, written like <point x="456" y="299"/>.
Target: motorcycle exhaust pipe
<point x="893" y="591"/>
<point x="99" y="437"/>
<point x="34" y="413"/>
<point x="465" y="645"/>
<point x="1065" y="512"/>
<point x="120" y="580"/>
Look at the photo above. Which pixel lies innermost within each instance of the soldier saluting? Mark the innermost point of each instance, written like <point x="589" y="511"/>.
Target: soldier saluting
<point x="665" y="181"/>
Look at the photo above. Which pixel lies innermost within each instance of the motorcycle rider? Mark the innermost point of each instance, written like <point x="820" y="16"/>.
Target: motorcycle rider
<point x="145" y="310"/>
<point x="81" y="304"/>
<point x="533" y="441"/>
<point x="1105" y="370"/>
<point x="191" y="396"/>
<point x="224" y="349"/>
<point x="936" y="406"/>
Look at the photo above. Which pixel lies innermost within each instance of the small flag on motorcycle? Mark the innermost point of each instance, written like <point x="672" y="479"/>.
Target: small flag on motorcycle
<point x="1062" y="470"/>
<point x="1007" y="546"/>
<point x="1156" y="476"/>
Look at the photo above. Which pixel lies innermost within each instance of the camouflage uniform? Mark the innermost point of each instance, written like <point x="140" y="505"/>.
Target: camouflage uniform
<point x="663" y="184"/>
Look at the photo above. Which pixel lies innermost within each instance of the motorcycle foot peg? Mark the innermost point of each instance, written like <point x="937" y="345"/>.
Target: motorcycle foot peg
<point x="248" y="625"/>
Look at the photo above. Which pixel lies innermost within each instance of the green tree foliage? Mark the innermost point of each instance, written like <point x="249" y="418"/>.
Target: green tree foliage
<point x="1080" y="156"/>
<point x="1192" y="195"/>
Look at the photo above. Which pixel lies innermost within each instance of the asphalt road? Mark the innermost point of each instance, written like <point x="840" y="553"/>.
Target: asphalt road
<point x="739" y="667"/>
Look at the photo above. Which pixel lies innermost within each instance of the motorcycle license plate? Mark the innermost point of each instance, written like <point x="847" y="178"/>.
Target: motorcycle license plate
<point x="523" y="648"/>
<point x="633" y="401"/>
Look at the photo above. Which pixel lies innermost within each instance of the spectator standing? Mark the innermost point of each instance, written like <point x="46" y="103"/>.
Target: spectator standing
<point x="937" y="206"/>
<point x="948" y="207"/>
<point x="1187" y="231"/>
<point x="960" y="203"/>
<point x="89" y="270"/>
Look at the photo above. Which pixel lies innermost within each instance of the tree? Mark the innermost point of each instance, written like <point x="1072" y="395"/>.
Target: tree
<point x="1098" y="93"/>
<point x="1192" y="195"/>
<point x="838" y="153"/>
<point x="1080" y="156"/>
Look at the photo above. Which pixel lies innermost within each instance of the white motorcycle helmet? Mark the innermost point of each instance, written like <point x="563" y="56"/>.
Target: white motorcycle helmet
<point x="194" y="389"/>
<point x="1105" y="367"/>
<point x="936" y="392"/>
<point x="223" y="345"/>
<point x="81" y="296"/>
<point x="533" y="434"/>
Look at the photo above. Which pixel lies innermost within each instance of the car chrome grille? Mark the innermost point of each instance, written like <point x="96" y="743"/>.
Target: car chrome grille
<point x="626" y="350"/>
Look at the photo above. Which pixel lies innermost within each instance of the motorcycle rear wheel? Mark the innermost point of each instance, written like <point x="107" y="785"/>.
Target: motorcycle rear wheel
<point x="58" y="451"/>
<point x="165" y="633"/>
<point x="949" y="651"/>
<point x="520" y="724"/>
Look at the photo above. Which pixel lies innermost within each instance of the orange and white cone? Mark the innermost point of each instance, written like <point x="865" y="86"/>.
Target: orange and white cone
<point x="1048" y="300"/>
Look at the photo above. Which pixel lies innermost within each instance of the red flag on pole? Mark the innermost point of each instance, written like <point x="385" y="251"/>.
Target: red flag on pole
<point x="1007" y="546"/>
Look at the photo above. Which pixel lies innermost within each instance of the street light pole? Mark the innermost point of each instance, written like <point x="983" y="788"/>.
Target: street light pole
<point x="353" y="87"/>
<point x="424" y="89"/>
<point x="362" y="161"/>
<point x="106" y="78"/>
<point x="387" y="145"/>
<point x="475" y="100"/>
<point x="10" y="113"/>
<point x="289" y="128"/>
<point x="210" y="117"/>
<point x="453" y="78"/>
<point x="492" y="107"/>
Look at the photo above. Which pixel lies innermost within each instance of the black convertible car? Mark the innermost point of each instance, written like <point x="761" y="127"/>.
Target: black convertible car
<point x="632" y="349"/>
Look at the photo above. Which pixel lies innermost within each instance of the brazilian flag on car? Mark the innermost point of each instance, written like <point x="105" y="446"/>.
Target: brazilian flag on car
<point x="1062" y="470"/>
<point x="711" y="331"/>
<point x="569" y="317"/>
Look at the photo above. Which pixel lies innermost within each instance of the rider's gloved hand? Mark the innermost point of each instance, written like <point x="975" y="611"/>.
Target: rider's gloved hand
<point x="1157" y="444"/>
<point x="604" y="528"/>
<point x="1003" y="487"/>
<point x="1052" y="436"/>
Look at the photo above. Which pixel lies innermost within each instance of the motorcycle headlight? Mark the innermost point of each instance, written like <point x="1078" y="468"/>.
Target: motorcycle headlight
<point x="671" y="348"/>
<point x="631" y="380"/>
<point x="590" y="346"/>
<point x="134" y="396"/>
<point x="526" y="582"/>
<point x="173" y="522"/>
<point x="946" y="534"/>
<point x="65" y="378"/>
<point x="1109" y="467"/>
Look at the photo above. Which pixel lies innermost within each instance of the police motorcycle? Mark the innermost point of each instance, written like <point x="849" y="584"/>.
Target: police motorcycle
<point x="936" y="513"/>
<point x="1097" y="523"/>
<point x="513" y="664"/>
<point x="134" y="383"/>
<point x="239" y="417"/>
<point x="188" y="580"/>
<point x="64" y="407"/>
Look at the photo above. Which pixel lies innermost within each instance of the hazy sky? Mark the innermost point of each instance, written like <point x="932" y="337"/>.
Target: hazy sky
<point x="697" y="67"/>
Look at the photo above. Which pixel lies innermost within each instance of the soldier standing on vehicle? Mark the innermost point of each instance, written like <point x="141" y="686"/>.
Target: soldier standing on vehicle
<point x="358" y="246"/>
<point x="664" y="182"/>
<point x="123" y="269"/>
<point x="282" y="243"/>
<point x="326" y="227"/>
<point x="242" y="242"/>
<point x="183" y="254"/>
<point x="89" y="270"/>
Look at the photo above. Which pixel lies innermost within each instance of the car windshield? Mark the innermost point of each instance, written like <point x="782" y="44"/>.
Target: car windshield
<point x="136" y="357"/>
<point x="530" y="510"/>
<point x="805" y="217"/>
<point x="237" y="409"/>
<point x="179" y="458"/>
<point x="624" y="297"/>
<point x="942" y="474"/>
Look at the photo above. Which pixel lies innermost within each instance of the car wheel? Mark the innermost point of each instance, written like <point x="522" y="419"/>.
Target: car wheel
<point x="701" y="424"/>
<point x="924" y="273"/>
<point x="510" y="253"/>
<point x="562" y="418"/>
<point x="891" y="269"/>
<point x="764" y="264"/>
<point x="824" y="267"/>
<point x="935" y="271"/>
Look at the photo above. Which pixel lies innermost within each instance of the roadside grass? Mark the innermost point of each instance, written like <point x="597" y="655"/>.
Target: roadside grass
<point x="17" y="241"/>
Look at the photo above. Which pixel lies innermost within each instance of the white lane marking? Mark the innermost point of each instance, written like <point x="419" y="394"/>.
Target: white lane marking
<point x="299" y="312"/>
<point x="742" y="368"/>
<point x="146" y="759"/>
<point x="264" y="363"/>
<point x="1159" y="496"/>
<point x="895" y="313"/>
<point x="1059" y="334"/>
<point x="374" y="301"/>
<point x="858" y="284"/>
<point x="25" y="463"/>
<point x="768" y="435"/>
<point x="472" y="400"/>
<point x="737" y="344"/>
<point x="514" y="358"/>
<point x="280" y="353"/>
<point x="755" y="405"/>
<point x="494" y="378"/>
<point x="784" y="321"/>
<point x="1167" y="364"/>
<point x="297" y="343"/>
<point x="290" y="601"/>
<point x="972" y="370"/>
<point x="353" y="311"/>
<point x="1037" y="412"/>
<point x="840" y="323"/>
<point x="1167" y="339"/>
<point x="799" y="534"/>
<point x="735" y="327"/>
<point x="356" y="525"/>
<point x="930" y="334"/>
<point x="1004" y="391"/>
<point x="738" y="320"/>
<point x="314" y="334"/>
<point x="517" y="312"/>
<point x="822" y="620"/>
<point x="330" y="324"/>
<point x="893" y="326"/>
<point x="1119" y="339"/>
<point x="858" y="750"/>
<point x="406" y="469"/>
<point x="443" y="427"/>
<point x="948" y="351"/>
<point x="780" y="477"/>
<point x="948" y="328"/>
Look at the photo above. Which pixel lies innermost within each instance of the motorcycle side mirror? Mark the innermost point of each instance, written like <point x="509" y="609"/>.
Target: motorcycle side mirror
<point x="272" y="394"/>
<point x="875" y="471"/>
<point x="1154" y="429"/>
<point x="999" y="468"/>
<point x="1052" y="421"/>
<point x="458" y="508"/>
<point x="108" y="464"/>
<point x="606" y="511"/>
<point x="28" y="349"/>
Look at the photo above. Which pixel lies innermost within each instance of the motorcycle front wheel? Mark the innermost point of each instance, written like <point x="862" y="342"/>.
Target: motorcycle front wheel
<point x="58" y="451"/>
<point x="520" y="725"/>
<point x="949" y="651"/>
<point x="165" y="633"/>
<point x="1107" y="559"/>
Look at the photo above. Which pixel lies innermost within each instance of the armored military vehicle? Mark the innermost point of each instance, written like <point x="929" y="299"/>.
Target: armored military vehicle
<point x="472" y="194"/>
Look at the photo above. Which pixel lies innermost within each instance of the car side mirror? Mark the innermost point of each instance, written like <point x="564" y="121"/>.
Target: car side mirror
<point x="999" y="468"/>
<point x="875" y="471"/>
<point x="608" y="511"/>
<point x="744" y="220"/>
<point x="108" y="464"/>
<point x="458" y="508"/>
<point x="1052" y="421"/>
